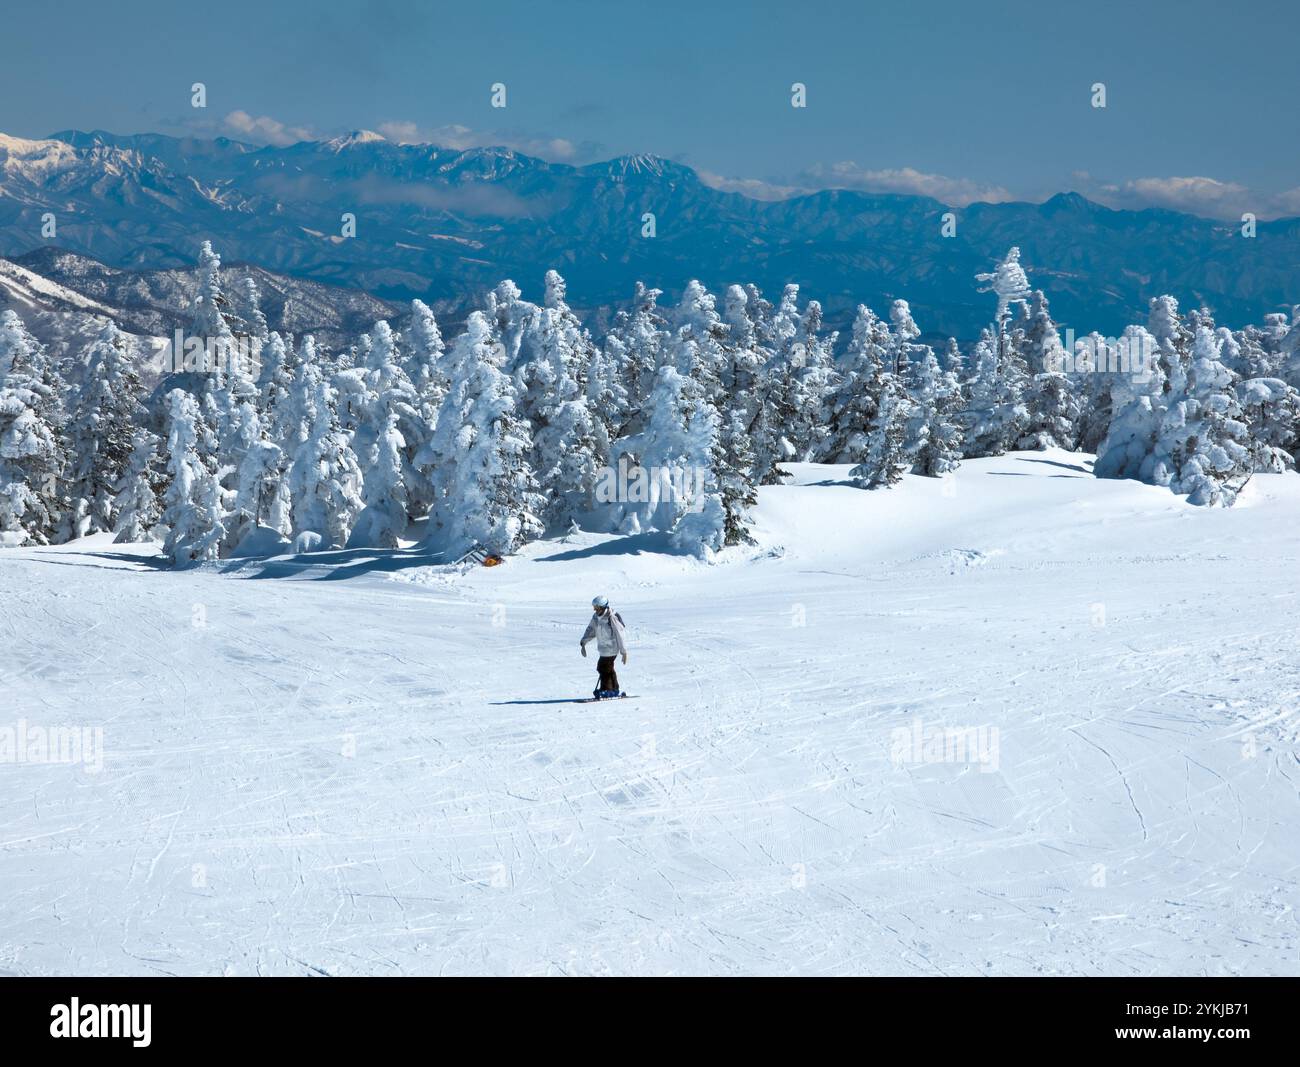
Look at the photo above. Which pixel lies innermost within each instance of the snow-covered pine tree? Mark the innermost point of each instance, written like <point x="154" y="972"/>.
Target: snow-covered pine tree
<point x="1203" y="432"/>
<point x="678" y="451"/>
<point x="32" y="454"/>
<point x="622" y="370"/>
<point x="1051" y="395"/>
<point x="383" y="491"/>
<point x="1009" y="283"/>
<point x="555" y="353"/>
<point x="786" y="408"/>
<point x="932" y="436"/>
<point x="1173" y="344"/>
<point x="324" y="477"/>
<point x="1094" y="360"/>
<point x="208" y="312"/>
<point x="885" y="455"/>
<point x="195" y="502"/>
<point x="485" y="492"/>
<point x="425" y="353"/>
<point x="994" y="417"/>
<point x="137" y="504"/>
<point x="1271" y="411"/>
<point x="1129" y="449"/>
<point x="852" y="403"/>
<point x="247" y="307"/>
<point x="105" y="412"/>
<point x="275" y="374"/>
<point x="388" y="393"/>
<point x="260" y="517"/>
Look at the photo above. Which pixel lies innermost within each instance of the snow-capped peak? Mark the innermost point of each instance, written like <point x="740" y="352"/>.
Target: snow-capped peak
<point x="34" y="159"/>
<point x="356" y="137"/>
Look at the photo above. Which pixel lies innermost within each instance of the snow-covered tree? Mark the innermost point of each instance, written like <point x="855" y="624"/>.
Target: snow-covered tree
<point x="885" y="456"/>
<point x="1051" y="395"/>
<point x="324" y="477"/>
<point x="1203" y="432"/>
<point x="932" y="437"/>
<point x="195" y="503"/>
<point x="485" y="492"/>
<point x="208" y="312"/>
<point x="425" y="353"/>
<point x="852" y="403"/>
<point x="1271" y="410"/>
<point x="261" y="498"/>
<point x="247" y="307"/>
<point x="995" y="416"/>
<point x="1009" y="283"/>
<point x="555" y="354"/>
<point x="137" y="505"/>
<point x="383" y="520"/>
<point x="105" y="413"/>
<point x="1129" y="449"/>
<point x="1094" y="360"/>
<point x="275" y="373"/>
<point x="677" y="451"/>
<point x="32" y="455"/>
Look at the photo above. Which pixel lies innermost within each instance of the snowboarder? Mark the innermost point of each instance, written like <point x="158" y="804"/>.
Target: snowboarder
<point x="606" y="629"/>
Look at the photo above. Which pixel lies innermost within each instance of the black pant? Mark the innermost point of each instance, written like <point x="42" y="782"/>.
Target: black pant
<point x="608" y="678"/>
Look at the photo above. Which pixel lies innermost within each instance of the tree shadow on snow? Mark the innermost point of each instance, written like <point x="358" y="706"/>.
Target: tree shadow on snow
<point x="629" y="545"/>
<point x="1056" y="463"/>
<point x="157" y="563"/>
<point x="336" y="565"/>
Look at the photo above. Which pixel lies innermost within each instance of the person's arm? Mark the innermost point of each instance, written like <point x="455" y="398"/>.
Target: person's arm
<point x="588" y="634"/>
<point x="617" y="627"/>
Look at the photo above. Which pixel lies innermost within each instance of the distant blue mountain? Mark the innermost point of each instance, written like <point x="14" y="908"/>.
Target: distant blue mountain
<point x="446" y="225"/>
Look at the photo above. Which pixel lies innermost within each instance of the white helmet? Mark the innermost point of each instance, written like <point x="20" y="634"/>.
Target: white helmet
<point x="600" y="602"/>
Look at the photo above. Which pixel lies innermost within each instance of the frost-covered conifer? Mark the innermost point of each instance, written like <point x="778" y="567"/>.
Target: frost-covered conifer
<point x="1203" y="433"/>
<point x="195" y="503"/>
<point x="106" y="410"/>
<point x="137" y="506"/>
<point x="32" y="456"/>
<point x="485" y="492"/>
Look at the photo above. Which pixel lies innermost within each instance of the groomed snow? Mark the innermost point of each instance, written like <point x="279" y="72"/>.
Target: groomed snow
<point x="362" y="764"/>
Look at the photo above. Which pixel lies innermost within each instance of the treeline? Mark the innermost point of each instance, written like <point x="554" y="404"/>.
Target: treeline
<point x="502" y="435"/>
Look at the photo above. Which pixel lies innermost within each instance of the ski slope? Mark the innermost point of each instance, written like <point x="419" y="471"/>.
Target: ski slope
<point x="363" y="764"/>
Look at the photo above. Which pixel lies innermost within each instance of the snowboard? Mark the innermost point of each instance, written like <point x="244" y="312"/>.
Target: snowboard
<point x="597" y="700"/>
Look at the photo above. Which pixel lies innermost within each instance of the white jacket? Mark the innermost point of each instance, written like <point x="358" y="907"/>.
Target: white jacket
<point x="607" y="631"/>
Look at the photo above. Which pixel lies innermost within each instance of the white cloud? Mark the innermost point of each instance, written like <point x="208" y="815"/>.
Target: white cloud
<point x="454" y="135"/>
<point x="1194" y="195"/>
<point x="265" y="129"/>
<point x="754" y="188"/>
<point x="956" y="192"/>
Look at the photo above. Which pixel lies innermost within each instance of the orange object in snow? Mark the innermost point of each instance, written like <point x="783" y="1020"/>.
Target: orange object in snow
<point x="492" y="561"/>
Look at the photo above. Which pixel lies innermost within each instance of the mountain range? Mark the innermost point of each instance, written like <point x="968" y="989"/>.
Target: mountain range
<point x="445" y="225"/>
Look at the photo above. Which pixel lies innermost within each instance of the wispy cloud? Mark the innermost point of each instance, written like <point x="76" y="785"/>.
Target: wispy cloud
<point x="1195" y="195"/>
<point x="754" y="188"/>
<point x="454" y="135"/>
<point x="263" y="129"/>
<point x="958" y="192"/>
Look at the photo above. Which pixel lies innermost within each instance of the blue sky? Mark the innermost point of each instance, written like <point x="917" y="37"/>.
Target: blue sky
<point x="965" y="101"/>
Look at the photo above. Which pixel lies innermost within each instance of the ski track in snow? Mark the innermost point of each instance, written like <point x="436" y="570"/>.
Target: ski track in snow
<point x="367" y="776"/>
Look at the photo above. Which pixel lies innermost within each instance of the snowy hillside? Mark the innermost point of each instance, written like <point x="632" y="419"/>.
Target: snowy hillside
<point x="365" y="764"/>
